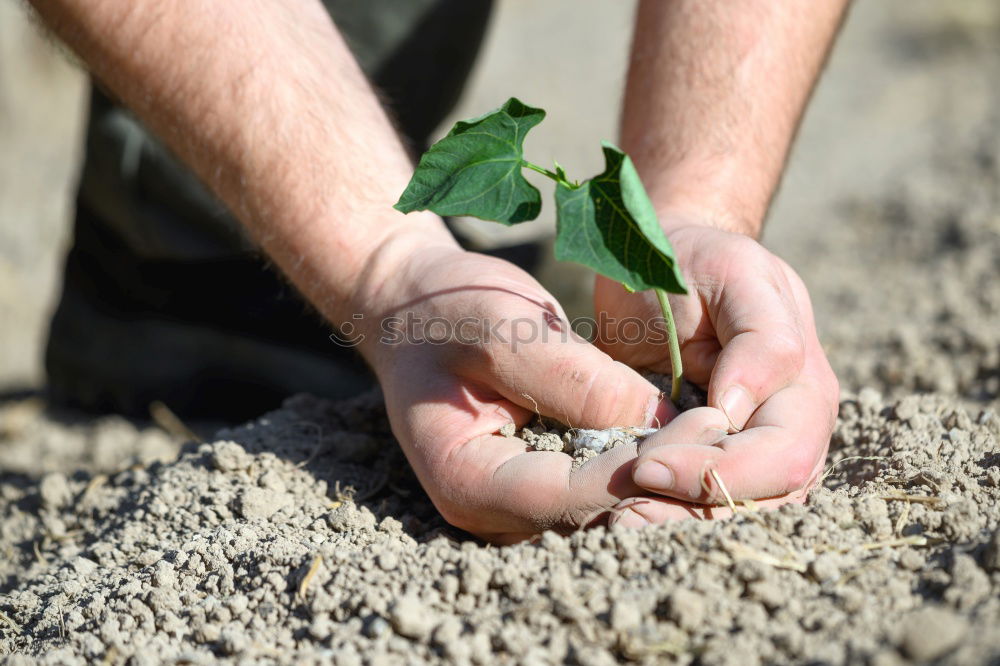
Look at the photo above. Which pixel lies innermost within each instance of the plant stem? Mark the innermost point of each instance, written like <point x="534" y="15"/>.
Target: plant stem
<point x="545" y="172"/>
<point x="676" y="369"/>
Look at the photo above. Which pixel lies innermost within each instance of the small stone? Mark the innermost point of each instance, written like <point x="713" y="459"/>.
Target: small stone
<point x="686" y="608"/>
<point x="84" y="566"/>
<point x="910" y="560"/>
<point x="606" y="564"/>
<point x="767" y="593"/>
<point x="581" y="456"/>
<point x="907" y="408"/>
<point x="932" y="632"/>
<point x="548" y="442"/>
<point x="387" y="560"/>
<point x="272" y="481"/>
<point x="411" y="618"/>
<point x="991" y="556"/>
<point x="234" y="641"/>
<point x="869" y="399"/>
<point x="349" y="517"/>
<point x="163" y="574"/>
<point x="624" y="616"/>
<point x="207" y="633"/>
<point x="448" y="631"/>
<point x="321" y="628"/>
<point x="259" y="503"/>
<point x="825" y="568"/>
<point x="475" y="578"/>
<point x="230" y="457"/>
<point x="375" y="627"/>
<point x="55" y="490"/>
<point x="149" y="557"/>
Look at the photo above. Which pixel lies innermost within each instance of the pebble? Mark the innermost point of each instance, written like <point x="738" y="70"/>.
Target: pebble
<point x="767" y="593"/>
<point x="475" y="578"/>
<point x="686" y="608"/>
<point x="932" y="632"/>
<point x="259" y="503"/>
<point x="387" y="560"/>
<point x="55" y="491"/>
<point x="410" y="618"/>
<point x="230" y="457"/>
<point x="624" y="615"/>
<point x="825" y="568"/>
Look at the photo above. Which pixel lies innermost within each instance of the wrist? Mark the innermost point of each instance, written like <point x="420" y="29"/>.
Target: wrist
<point x="389" y="281"/>
<point x="716" y="194"/>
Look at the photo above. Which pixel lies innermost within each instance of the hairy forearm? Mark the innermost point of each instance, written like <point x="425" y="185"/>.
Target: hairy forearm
<point x="266" y="103"/>
<point x="714" y="96"/>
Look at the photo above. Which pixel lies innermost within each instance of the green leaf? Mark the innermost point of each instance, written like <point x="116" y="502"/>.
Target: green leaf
<point x="608" y="223"/>
<point x="476" y="169"/>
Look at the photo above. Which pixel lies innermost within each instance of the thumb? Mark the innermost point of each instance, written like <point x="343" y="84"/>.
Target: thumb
<point x="761" y="329"/>
<point x="573" y="381"/>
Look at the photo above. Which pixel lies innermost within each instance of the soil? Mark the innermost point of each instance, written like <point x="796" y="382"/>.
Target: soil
<point x="304" y="538"/>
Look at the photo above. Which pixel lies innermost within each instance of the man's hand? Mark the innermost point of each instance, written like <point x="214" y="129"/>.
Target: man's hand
<point x="470" y="343"/>
<point x="714" y="96"/>
<point x="747" y="334"/>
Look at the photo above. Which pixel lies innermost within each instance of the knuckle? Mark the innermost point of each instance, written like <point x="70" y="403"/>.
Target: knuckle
<point x="799" y="469"/>
<point x="603" y="394"/>
<point x="453" y="517"/>
<point x="786" y="346"/>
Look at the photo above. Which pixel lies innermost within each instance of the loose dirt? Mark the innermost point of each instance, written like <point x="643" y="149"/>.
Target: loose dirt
<point x="303" y="538"/>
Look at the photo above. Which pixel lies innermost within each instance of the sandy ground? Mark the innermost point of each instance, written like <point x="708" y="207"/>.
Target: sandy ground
<point x="303" y="538"/>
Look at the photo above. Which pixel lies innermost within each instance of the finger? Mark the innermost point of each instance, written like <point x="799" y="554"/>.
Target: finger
<point x="564" y="377"/>
<point x="761" y="330"/>
<point x="777" y="454"/>
<point x="505" y="494"/>
<point x="640" y="512"/>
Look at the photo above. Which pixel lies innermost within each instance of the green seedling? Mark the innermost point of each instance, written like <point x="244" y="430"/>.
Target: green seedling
<point x="606" y="223"/>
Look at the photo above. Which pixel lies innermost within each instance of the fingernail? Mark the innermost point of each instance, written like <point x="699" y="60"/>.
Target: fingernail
<point x="630" y="518"/>
<point x="659" y="412"/>
<point x="653" y="476"/>
<point x="712" y="436"/>
<point x="737" y="406"/>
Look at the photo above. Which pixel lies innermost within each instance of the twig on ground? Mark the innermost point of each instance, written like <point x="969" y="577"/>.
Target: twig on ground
<point x="894" y="543"/>
<point x="744" y="552"/>
<point x="95" y="482"/>
<point x="911" y="499"/>
<point x="901" y="521"/>
<point x="829" y="470"/>
<point x="313" y="569"/>
<point x="10" y="623"/>
<point x="170" y="423"/>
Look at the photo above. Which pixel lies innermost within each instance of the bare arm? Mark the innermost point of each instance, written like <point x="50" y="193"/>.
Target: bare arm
<point x="714" y="96"/>
<point x="264" y="100"/>
<point x="268" y="106"/>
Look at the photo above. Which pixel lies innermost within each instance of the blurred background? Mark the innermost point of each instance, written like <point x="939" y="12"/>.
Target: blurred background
<point x="889" y="208"/>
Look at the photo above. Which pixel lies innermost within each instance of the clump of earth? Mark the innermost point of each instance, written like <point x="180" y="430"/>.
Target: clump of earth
<point x="302" y="537"/>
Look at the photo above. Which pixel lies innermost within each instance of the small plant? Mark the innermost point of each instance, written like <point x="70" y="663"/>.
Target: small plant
<point x="607" y="223"/>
